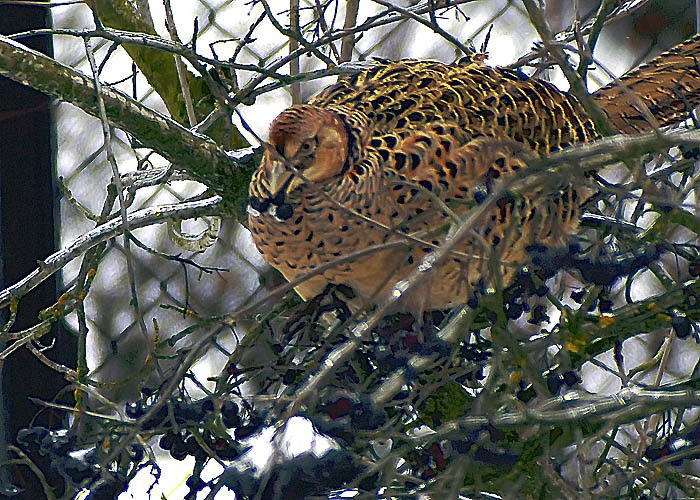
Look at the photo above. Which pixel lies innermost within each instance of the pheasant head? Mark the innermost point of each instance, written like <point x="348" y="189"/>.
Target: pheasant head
<point x="307" y="144"/>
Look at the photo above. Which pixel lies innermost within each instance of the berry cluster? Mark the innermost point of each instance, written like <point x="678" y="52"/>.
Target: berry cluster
<point x="188" y="423"/>
<point x="303" y="476"/>
<point x="68" y="466"/>
<point x="678" y="447"/>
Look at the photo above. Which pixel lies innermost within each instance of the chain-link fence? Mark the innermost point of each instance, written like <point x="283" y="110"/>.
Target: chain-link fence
<point x="189" y="345"/>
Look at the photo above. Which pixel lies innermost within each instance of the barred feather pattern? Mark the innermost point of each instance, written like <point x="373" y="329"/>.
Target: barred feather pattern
<point x="376" y="171"/>
<point x="666" y="88"/>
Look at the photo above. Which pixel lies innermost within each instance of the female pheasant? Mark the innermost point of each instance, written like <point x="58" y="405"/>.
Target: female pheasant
<point x="358" y="185"/>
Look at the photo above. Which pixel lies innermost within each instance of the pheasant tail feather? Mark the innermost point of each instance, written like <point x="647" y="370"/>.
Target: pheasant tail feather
<point x="666" y="88"/>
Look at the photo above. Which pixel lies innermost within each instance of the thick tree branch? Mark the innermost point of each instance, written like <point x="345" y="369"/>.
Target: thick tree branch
<point x="200" y="156"/>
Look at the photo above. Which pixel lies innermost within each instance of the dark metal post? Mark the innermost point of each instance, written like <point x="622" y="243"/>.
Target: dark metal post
<point x="27" y="234"/>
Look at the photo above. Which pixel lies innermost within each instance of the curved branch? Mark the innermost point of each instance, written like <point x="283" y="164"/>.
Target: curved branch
<point x="625" y="406"/>
<point x="200" y="156"/>
<point x="104" y="232"/>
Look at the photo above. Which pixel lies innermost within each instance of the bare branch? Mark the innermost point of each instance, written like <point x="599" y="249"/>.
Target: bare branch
<point x="348" y="43"/>
<point x="104" y="232"/>
<point x="201" y="156"/>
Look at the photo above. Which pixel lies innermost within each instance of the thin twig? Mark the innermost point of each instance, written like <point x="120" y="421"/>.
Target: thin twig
<point x="625" y="406"/>
<point x="348" y="44"/>
<point x="295" y="87"/>
<point x="578" y="86"/>
<point x="104" y="232"/>
<point x="181" y="72"/>
<point x="427" y="23"/>
<point x="382" y="19"/>
<point x="604" y="10"/>
<point x="25" y="460"/>
<point x="107" y="135"/>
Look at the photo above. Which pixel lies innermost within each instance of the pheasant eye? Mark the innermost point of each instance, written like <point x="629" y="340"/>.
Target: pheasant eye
<point x="308" y="146"/>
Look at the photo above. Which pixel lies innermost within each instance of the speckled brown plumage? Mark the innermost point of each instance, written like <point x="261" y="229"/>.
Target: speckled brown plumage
<point x="375" y="171"/>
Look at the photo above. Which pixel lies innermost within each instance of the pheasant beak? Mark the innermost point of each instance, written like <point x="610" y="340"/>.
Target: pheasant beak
<point x="281" y="174"/>
<point x="279" y="177"/>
